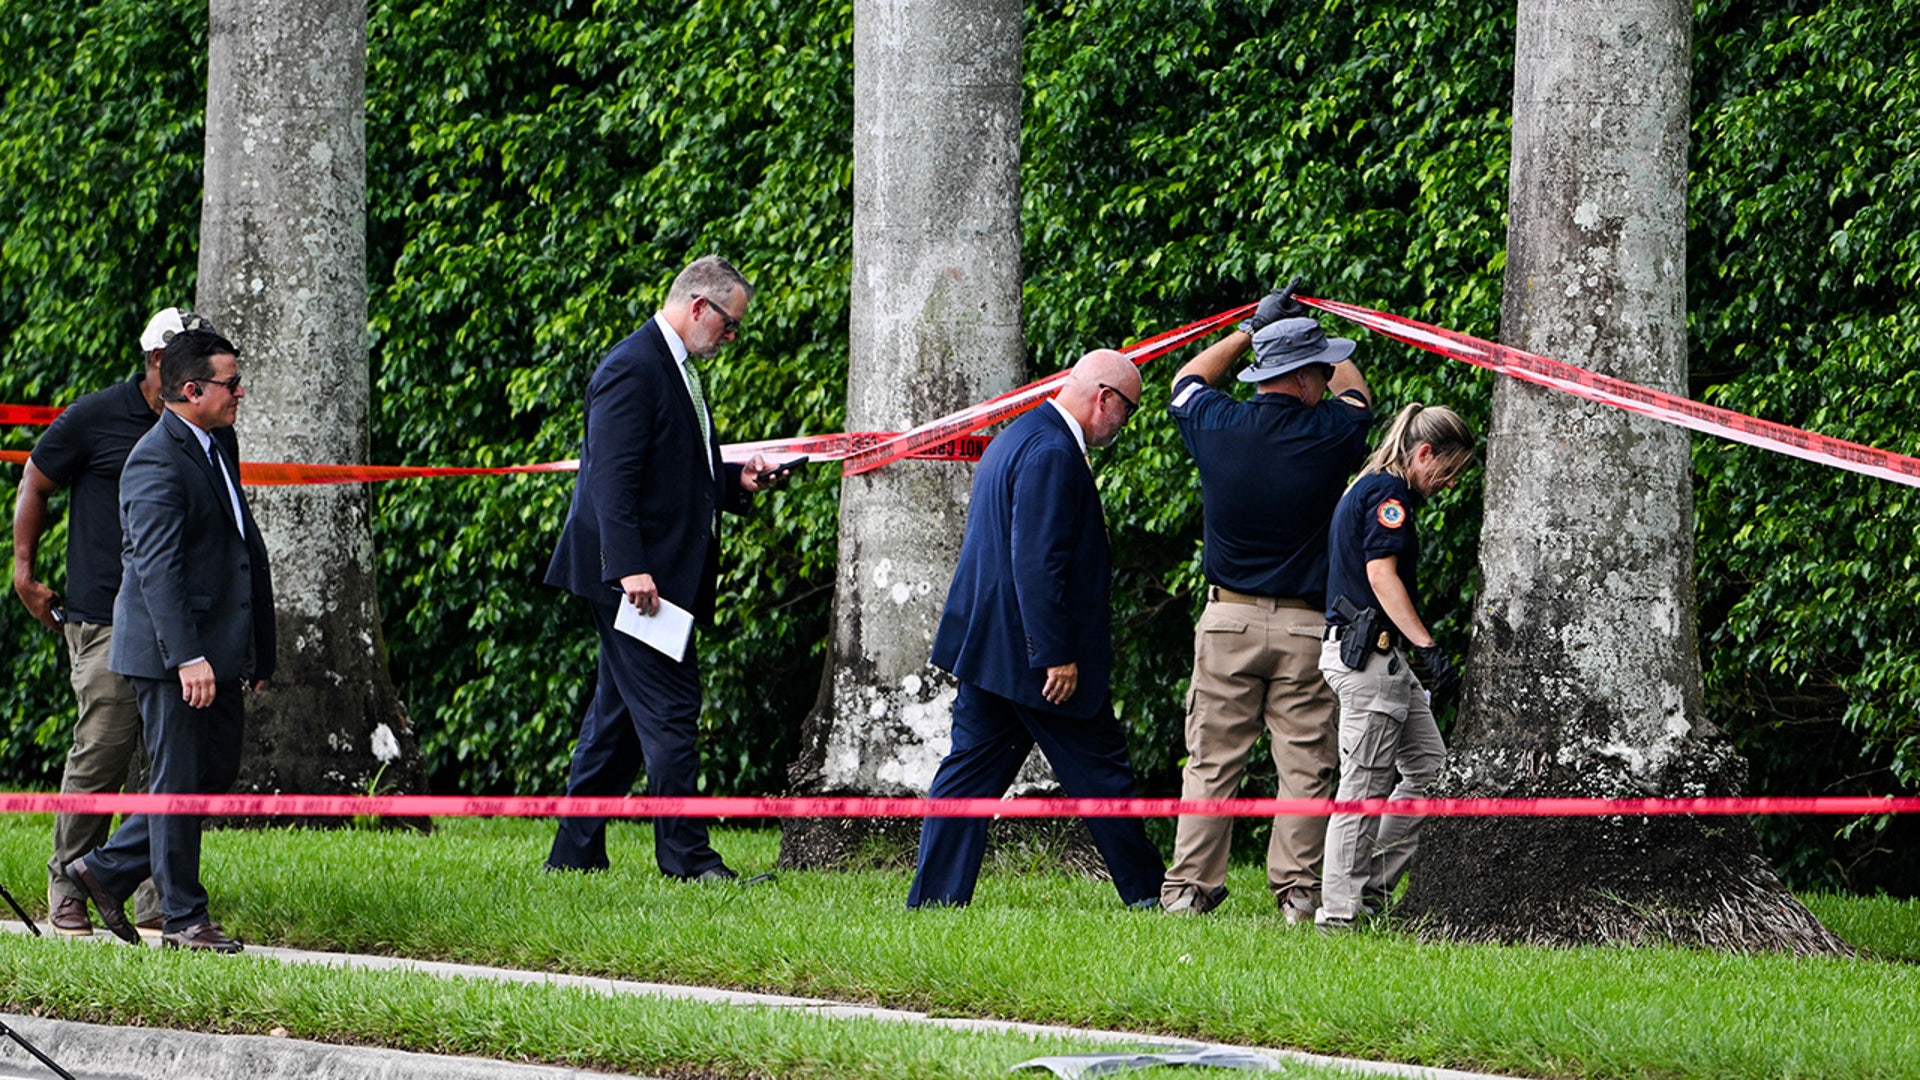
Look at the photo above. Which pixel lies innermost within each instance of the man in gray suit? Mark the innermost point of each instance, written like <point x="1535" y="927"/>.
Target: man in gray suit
<point x="193" y="629"/>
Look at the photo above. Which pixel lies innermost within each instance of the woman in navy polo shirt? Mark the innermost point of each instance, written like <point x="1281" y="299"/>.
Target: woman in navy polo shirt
<point x="1386" y="721"/>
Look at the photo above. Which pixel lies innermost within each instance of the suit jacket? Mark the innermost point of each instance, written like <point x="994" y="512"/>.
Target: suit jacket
<point x="1031" y="589"/>
<point x="191" y="584"/>
<point x="649" y="485"/>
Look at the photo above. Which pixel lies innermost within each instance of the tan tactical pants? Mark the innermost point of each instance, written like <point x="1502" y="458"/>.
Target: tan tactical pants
<point x="108" y="740"/>
<point x="1256" y="666"/>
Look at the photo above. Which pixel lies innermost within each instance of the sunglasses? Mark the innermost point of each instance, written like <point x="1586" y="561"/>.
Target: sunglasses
<point x="728" y="323"/>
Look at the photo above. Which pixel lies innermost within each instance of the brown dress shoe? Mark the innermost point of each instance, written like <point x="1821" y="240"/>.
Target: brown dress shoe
<point x="113" y="913"/>
<point x="69" y="916"/>
<point x="149" y="927"/>
<point x="205" y="936"/>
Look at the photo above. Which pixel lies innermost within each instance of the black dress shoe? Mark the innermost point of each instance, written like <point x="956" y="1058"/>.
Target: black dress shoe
<point x="113" y="913"/>
<point x="720" y="874"/>
<point x="206" y="937"/>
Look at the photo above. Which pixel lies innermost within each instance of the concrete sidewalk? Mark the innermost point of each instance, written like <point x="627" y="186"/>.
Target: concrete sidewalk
<point x="244" y="1057"/>
<point x="99" y="1052"/>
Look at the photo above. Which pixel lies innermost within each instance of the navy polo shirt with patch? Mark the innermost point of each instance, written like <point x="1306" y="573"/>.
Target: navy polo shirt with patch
<point x="83" y="450"/>
<point x="1373" y="521"/>
<point x="1271" y="470"/>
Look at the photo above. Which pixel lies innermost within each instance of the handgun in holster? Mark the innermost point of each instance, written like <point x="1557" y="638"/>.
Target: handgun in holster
<point x="1360" y="637"/>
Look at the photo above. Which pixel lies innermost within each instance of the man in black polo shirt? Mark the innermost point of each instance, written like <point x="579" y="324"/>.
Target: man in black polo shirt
<point x="84" y="450"/>
<point x="1271" y="471"/>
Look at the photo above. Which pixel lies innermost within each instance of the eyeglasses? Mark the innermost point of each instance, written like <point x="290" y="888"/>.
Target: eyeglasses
<point x="1132" y="405"/>
<point x="232" y="384"/>
<point x="728" y="323"/>
<point x="190" y="322"/>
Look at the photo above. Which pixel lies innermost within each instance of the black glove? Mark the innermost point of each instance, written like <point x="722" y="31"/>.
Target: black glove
<point x="1443" y="679"/>
<point x="1278" y="304"/>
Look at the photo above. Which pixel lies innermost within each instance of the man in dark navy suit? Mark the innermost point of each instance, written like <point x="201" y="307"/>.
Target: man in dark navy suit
<point x="644" y="524"/>
<point x="1026" y="631"/>
<point x="193" y="629"/>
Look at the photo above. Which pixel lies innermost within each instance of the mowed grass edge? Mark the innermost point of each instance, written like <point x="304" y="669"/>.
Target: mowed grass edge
<point x="503" y="1021"/>
<point x="1053" y="948"/>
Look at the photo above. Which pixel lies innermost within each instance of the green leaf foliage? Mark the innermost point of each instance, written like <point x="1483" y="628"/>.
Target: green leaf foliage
<point x="539" y="171"/>
<point x="1805" y="249"/>
<point x="543" y="172"/>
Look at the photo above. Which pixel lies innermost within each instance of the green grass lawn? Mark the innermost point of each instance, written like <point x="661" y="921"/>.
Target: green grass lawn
<point x="1040" y="947"/>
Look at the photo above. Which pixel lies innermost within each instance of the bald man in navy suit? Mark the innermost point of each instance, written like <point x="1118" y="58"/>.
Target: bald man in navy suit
<point x="1026" y="631"/>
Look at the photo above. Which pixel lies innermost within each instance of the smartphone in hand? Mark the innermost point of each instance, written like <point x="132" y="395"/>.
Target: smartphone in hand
<point x="774" y="477"/>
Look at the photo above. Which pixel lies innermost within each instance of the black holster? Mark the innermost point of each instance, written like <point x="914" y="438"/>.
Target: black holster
<point x="1356" y="641"/>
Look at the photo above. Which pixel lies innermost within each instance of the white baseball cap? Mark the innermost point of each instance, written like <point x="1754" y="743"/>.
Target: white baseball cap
<point x="167" y="322"/>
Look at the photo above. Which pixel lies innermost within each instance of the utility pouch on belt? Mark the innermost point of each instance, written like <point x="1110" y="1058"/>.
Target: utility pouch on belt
<point x="1357" y="641"/>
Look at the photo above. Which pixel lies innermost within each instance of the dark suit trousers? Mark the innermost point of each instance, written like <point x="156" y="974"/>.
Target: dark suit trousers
<point x="645" y="711"/>
<point x="193" y="752"/>
<point x="991" y="739"/>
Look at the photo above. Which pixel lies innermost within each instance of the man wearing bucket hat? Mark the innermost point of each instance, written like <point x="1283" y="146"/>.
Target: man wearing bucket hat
<point x="1271" y="471"/>
<point x="84" y="449"/>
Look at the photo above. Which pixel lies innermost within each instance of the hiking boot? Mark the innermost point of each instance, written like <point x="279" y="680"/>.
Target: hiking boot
<point x="1194" y="900"/>
<point x="1296" y="906"/>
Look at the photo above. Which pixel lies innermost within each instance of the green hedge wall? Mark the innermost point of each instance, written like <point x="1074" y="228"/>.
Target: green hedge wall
<point x="538" y="172"/>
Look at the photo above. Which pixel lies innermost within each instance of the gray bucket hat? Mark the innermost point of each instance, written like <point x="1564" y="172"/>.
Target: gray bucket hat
<point x="1290" y="344"/>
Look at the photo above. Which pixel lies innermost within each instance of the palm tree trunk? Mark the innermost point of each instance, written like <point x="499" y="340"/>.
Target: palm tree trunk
<point x="1585" y="675"/>
<point x="283" y="275"/>
<point x="935" y="326"/>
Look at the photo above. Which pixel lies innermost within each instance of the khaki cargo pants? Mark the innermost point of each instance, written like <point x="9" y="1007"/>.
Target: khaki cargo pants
<point x="1256" y="667"/>
<point x="108" y="740"/>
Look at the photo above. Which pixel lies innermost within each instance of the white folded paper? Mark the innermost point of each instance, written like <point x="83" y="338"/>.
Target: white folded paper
<point x="667" y="629"/>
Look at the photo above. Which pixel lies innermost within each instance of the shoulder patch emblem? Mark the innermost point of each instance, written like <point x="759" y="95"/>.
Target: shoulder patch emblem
<point x="1186" y="394"/>
<point x="1391" y="514"/>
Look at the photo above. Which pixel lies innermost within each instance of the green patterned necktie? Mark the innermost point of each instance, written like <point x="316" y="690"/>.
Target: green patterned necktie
<point x="699" y="399"/>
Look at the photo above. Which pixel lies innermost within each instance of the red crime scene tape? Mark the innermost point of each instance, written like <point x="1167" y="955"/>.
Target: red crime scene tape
<point x="819" y="447"/>
<point x="1669" y="408"/>
<point x="951" y="437"/>
<point x="846" y="807"/>
<point x="1020" y="399"/>
<point x="28" y="414"/>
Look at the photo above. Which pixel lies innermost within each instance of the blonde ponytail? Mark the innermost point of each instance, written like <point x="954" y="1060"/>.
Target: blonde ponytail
<point x="1437" y="426"/>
